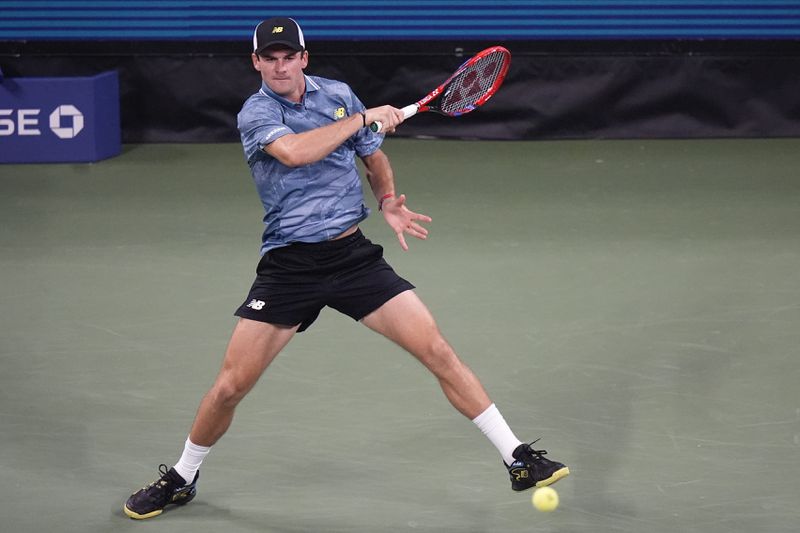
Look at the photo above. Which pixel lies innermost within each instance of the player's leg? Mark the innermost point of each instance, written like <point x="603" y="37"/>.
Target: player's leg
<point x="406" y="320"/>
<point x="252" y="347"/>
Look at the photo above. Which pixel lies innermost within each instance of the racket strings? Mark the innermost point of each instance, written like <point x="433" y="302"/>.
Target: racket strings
<point x="475" y="81"/>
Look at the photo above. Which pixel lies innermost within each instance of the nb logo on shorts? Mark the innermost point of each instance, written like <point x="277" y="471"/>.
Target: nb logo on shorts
<point x="258" y="305"/>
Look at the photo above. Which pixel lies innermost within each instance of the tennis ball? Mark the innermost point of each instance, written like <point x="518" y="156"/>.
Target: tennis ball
<point x="545" y="499"/>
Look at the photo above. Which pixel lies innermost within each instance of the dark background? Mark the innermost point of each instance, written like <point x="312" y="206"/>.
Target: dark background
<point x="191" y="91"/>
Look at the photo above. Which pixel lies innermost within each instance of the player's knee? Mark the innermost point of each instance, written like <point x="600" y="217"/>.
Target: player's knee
<point x="443" y="360"/>
<point x="229" y="392"/>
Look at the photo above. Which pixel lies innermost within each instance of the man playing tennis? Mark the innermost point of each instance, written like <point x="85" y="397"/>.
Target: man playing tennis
<point x="300" y="135"/>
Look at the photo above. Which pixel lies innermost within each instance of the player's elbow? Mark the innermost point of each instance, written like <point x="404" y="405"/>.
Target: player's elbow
<point x="284" y="156"/>
<point x="288" y="154"/>
<point x="291" y="160"/>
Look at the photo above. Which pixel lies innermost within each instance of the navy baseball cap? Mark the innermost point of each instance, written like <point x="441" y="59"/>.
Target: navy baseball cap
<point x="278" y="31"/>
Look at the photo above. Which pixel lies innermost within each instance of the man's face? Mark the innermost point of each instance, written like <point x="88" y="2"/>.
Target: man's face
<point x="282" y="71"/>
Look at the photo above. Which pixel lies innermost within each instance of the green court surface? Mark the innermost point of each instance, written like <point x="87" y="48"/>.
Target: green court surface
<point x="635" y="304"/>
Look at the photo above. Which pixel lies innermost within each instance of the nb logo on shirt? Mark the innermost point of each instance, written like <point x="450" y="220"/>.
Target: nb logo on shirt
<point x="277" y="29"/>
<point x="339" y="113"/>
<point x="258" y="305"/>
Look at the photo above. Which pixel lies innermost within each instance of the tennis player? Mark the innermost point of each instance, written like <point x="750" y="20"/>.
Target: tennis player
<point x="300" y="136"/>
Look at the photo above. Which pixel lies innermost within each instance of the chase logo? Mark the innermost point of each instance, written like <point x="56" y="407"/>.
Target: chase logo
<point x="339" y="113"/>
<point x="277" y="29"/>
<point x="66" y="121"/>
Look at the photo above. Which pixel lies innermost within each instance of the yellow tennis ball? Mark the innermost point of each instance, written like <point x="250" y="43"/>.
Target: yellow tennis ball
<point x="545" y="499"/>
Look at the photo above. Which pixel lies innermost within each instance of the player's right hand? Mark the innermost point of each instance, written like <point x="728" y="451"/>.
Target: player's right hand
<point x="388" y="116"/>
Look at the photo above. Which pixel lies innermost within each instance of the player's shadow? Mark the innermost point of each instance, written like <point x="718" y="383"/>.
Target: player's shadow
<point x="607" y="412"/>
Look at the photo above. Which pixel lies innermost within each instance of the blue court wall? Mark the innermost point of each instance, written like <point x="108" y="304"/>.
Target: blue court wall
<point x="403" y="19"/>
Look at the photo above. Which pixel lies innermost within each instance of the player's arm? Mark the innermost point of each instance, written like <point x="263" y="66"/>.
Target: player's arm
<point x="401" y="219"/>
<point x="298" y="149"/>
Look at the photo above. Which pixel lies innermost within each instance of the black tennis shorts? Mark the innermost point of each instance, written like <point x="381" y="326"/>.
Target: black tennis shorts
<point x="293" y="283"/>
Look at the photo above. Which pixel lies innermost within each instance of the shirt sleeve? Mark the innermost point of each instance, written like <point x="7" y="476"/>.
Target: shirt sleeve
<point x="365" y="142"/>
<point x="260" y="122"/>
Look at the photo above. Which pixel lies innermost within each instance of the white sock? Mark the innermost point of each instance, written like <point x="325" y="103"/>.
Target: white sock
<point x="189" y="463"/>
<point x="494" y="426"/>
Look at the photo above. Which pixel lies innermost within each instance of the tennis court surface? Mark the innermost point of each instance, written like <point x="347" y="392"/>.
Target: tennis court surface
<point x="634" y="303"/>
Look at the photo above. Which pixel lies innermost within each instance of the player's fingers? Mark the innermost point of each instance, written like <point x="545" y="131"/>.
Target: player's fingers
<point x="402" y="239"/>
<point x="387" y="116"/>
<point x="417" y="231"/>
<point x="391" y="117"/>
<point x="394" y="115"/>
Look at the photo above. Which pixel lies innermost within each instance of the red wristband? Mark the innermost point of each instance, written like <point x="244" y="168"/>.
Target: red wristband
<point x="383" y="199"/>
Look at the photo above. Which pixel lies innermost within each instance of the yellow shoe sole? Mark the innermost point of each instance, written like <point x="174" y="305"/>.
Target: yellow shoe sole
<point x="558" y="474"/>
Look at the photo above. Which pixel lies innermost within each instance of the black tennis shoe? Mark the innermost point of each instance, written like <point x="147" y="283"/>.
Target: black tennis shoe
<point x="170" y="488"/>
<point x="531" y="469"/>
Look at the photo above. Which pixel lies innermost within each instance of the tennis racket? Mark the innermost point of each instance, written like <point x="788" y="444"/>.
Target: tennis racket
<point x="468" y="88"/>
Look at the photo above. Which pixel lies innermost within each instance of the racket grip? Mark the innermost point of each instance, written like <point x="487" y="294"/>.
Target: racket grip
<point x="408" y="112"/>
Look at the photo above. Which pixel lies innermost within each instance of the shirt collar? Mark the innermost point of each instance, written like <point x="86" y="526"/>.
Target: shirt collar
<point x="311" y="86"/>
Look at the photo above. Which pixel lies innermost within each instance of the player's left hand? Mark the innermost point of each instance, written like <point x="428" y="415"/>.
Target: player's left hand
<point x="402" y="220"/>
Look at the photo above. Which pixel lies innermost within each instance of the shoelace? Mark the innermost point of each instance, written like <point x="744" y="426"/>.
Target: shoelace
<point x="537" y="453"/>
<point x="160" y="482"/>
<point x="164" y="469"/>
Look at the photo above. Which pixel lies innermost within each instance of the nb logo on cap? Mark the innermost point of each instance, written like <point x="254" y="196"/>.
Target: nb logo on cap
<point x="277" y="29"/>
